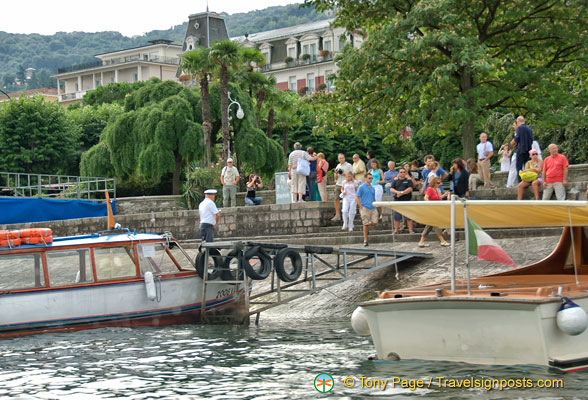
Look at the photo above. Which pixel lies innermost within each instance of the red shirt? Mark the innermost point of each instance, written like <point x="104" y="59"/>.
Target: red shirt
<point x="432" y="193"/>
<point x="553" y="168"/>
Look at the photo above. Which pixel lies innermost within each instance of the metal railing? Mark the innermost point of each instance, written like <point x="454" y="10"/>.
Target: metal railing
<point x="122" y="60"/>
<point x="16" y="184"/>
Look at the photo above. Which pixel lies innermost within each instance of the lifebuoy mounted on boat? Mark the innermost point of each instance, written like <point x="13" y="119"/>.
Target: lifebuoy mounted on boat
<point x="13" y="238"/>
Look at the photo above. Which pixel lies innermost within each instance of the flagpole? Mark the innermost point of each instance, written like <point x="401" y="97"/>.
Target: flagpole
<point x="453" y="197"/>
<point x="467" y="244"/>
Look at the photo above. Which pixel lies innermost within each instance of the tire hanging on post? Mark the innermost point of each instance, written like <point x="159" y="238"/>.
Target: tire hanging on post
<point x="260" y="270"/>
<point x="217" y="263"/>
<point x="232" y="275"/>
<point x="292" y="273"/>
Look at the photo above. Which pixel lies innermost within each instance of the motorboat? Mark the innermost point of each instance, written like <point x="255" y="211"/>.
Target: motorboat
<point x="533" y="315"/>
<point x="106" y="279"/>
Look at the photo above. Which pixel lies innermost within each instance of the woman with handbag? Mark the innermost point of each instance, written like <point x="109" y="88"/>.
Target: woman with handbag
<point x="531" y="175"/>
<point x="322" y="167"/>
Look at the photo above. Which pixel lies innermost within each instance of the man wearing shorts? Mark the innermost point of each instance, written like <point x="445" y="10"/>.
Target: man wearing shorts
<point x="555" y="174"/>
<point x="365" y="197"/>
<point x="402" y="188"/>
<point x="298" y="180"/>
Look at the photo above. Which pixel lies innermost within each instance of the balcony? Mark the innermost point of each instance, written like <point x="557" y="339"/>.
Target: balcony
<point x="118" y="61"/>
<point x="314" y="59"/>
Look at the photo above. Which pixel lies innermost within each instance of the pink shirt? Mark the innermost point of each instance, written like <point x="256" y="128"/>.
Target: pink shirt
<point x="553" y="168"/>
<point x="432" y="193"/>
<point x="350" y="189"/>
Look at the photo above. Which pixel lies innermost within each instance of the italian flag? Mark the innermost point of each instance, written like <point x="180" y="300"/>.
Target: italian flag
<point x="482" y="245"/>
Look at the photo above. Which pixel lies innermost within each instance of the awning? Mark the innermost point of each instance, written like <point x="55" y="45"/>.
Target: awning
<point x="495" y="213"/>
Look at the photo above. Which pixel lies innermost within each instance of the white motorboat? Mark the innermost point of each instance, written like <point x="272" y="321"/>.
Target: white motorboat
<point x="531" y="315"/>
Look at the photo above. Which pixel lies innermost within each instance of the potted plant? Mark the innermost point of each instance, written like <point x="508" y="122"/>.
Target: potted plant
<point x="325" y="53"/>
<point x="306" y="58"/>
<point x="302" y="91"/>
<point x="322" y="87"/>
<point x="288" y="60"/>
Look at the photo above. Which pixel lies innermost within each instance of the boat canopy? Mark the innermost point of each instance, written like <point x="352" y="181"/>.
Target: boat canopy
<point x="494" y="213"/>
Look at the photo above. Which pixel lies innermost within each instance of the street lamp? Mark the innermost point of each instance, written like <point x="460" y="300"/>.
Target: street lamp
<point x="240" y="113"/>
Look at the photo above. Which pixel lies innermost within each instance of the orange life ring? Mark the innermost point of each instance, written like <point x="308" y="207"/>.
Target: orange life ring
<point x="10" y="243"/>
<point x="7" y="235"/>
<point x="36" y="232"/>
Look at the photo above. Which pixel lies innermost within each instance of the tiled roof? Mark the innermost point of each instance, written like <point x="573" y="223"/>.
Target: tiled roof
<point x="286" y="32"/>
<point x="43" y="91"/>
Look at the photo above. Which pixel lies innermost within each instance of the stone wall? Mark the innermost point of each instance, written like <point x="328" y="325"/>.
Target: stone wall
<point x="264" y="220"/>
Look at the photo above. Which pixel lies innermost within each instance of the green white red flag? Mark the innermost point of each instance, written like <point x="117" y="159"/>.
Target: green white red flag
<point x="482" y="245"/>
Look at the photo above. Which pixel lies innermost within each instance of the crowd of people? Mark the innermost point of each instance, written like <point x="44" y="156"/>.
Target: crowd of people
<point x="361" y="183"/>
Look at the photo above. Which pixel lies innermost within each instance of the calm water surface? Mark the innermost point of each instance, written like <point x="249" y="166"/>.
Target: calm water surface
<point x="278" y="360"/>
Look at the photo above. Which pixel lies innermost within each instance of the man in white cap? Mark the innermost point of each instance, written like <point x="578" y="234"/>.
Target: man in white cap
<point x="209" y="216"/>
<point x="229" y="179"/>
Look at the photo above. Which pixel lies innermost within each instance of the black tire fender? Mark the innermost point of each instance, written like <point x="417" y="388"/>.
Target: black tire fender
<point x="295" y="259"/>
<point x="226" y="273"/>
<point x="265" y="262"/>
<point x="217" y="261"/>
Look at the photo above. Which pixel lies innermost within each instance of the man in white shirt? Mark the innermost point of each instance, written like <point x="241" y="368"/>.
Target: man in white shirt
<point x="209" y="216"/>
<point x="485" y="152"/>
<point x="341" y="171"/>
<point x="298" y="180"/>
<point x="229" y="179"/>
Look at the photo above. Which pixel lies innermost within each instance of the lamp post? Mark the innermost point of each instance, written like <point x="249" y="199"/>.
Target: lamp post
<point x="240" y="115"/>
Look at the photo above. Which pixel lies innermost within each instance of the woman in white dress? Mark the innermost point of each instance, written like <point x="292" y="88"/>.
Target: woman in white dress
<point x="504" y="154"/>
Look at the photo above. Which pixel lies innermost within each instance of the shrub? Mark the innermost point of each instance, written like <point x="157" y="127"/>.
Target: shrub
<point x="198" y="179"/>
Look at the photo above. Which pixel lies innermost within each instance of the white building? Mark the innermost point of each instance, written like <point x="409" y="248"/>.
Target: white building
<point x="301" y="56"/>
<point x="159" y="59"/>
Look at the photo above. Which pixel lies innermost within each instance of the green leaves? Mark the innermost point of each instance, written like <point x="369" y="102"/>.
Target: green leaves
<point x="444" y="66"/>
<point x="34" y="137"/>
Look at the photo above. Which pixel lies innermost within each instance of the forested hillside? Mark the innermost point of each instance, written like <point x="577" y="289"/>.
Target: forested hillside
<point x="47" y="53"/>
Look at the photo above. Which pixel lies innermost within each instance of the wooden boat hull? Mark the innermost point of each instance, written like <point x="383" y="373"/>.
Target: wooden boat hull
<point x="479" y="331"/>
<point x="112" y="304"/>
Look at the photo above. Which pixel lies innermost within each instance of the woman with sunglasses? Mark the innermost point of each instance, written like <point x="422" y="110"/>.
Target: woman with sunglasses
<point x="433" y="194"/>
<point x="532" y="169"/>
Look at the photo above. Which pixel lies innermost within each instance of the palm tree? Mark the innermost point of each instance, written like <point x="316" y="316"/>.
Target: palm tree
<point x="227" y="55"/>
<point x="198" y="64"/>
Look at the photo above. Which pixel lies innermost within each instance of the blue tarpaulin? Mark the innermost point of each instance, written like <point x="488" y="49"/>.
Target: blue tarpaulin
<point x="18" y="210"/>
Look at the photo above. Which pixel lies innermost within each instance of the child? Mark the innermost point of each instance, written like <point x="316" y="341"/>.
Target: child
<point x="348" y="191"/>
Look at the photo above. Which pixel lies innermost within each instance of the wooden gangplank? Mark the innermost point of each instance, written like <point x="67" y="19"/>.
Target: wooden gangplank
<point x="318" y="272"/>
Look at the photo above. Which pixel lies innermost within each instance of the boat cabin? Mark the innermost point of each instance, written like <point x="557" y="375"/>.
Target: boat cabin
<point x="91" y="260"/>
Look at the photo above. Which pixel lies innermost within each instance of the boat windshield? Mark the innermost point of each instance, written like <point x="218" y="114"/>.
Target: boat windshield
<point x="159" y="259"/>
<point x="21" y="271"/>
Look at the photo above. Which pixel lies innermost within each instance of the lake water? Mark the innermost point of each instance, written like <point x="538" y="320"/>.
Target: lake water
<point x="277" y="360"/>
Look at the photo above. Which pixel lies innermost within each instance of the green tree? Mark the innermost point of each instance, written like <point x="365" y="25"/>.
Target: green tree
<point x="198" y="64"/>
<point x="111" y="93"/>
<point x="158" y="134"/>
<point x="34" y="137"/>
<point x="445" y="65"/>
<point x="226" y="54"/>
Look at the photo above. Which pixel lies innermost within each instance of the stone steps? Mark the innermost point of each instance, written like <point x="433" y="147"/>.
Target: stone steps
<point x="342" y="238"/>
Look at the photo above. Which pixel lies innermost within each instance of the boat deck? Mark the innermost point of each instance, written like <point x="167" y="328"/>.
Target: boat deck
<point x="509" y="287"/>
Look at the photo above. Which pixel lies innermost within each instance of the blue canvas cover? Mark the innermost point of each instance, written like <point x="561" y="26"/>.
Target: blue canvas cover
<point x="14" y="210"/>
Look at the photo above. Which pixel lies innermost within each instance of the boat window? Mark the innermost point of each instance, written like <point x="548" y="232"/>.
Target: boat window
<point x="154" y="258"/>
<point x="21" y="271"/>
<point x="114" y="262"/>
<point x="181" y="258"/>
<point x="69" y="267"/>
